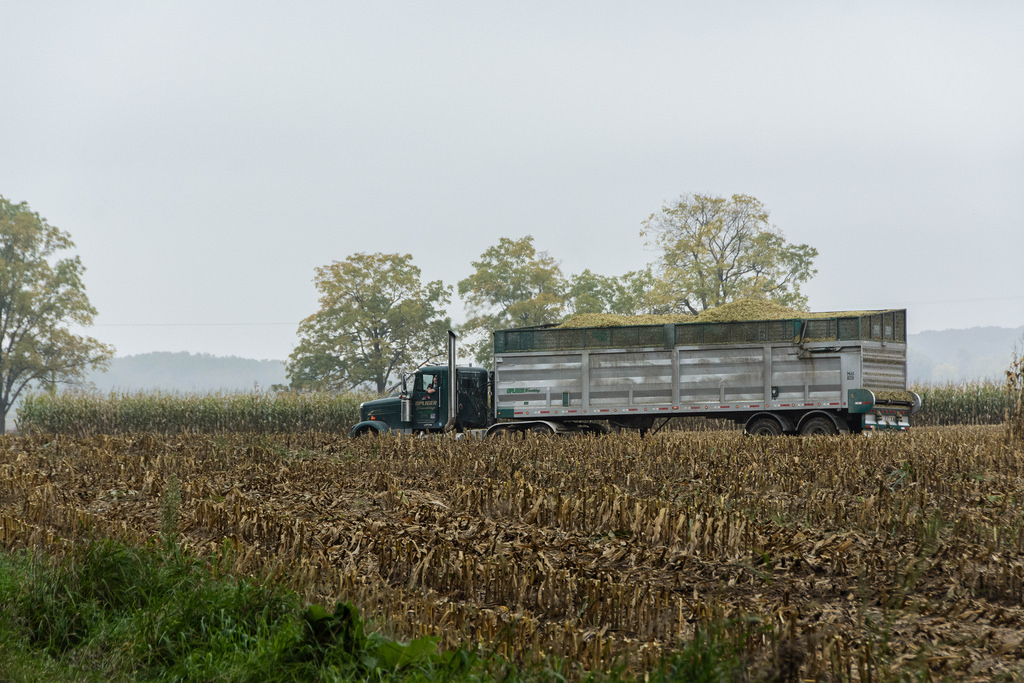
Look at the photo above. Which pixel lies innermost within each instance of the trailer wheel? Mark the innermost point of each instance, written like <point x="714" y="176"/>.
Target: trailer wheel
<point x="764" y="426"/>
<point x="819" y="426"/>
<point x="541" y="430"/>
<point x="504" y="431"/>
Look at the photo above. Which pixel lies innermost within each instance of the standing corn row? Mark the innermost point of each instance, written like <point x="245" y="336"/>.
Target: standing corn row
<point x="84" y="414"/>
<point x="981" y="402"/>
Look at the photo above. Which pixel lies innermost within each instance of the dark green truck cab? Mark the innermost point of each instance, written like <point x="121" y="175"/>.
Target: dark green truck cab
<point x="423" y="404"/>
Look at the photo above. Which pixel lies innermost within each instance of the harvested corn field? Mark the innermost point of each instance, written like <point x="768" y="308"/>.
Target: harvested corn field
<point x="846" y="557"/>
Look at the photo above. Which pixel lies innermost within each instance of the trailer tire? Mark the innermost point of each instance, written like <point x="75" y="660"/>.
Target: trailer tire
<point x="819" y="426"/>
<point x="764" y="426"/>
<point x="504" y="430"/>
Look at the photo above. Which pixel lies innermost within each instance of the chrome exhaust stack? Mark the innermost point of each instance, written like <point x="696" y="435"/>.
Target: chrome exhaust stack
<point x="453" y="386"/>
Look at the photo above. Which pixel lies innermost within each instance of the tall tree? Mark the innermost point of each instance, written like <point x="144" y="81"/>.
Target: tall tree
<point x="41" y="296"/>
<point x="513" y="285"/>
<point x="716" y="250"/>
<point x="376" y="319"/>
<point x="629" y="294"/>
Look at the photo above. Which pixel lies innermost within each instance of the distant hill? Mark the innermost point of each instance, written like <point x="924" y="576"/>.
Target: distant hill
<point x="188" y="373"/>
<point x="960" y="355"/>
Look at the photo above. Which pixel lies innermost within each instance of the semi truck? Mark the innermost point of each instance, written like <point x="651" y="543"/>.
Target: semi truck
<point x="831" y="373"/>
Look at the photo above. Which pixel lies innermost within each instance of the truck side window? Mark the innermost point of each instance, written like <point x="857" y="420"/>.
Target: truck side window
<point x="428" y="385"/>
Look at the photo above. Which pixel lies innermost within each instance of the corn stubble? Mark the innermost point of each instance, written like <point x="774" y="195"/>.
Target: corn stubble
<point x="845" y="557"/>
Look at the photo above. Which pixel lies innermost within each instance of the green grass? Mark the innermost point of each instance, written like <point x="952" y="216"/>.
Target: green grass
<point x="111" y="612"/>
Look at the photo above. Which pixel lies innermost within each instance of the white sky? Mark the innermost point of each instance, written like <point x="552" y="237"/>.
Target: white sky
<point x="206" y="157"/>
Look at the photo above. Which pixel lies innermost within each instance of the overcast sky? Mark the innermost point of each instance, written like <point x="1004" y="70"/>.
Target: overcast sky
<point x="206" y="157"/>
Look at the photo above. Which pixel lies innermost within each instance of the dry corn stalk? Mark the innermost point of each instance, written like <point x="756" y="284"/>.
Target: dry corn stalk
<point x="600" y="549"/>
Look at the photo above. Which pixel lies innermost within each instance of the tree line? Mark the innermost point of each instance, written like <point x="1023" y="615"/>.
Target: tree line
<point x="377" y="318"/>
<point x="41" y="297"/>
